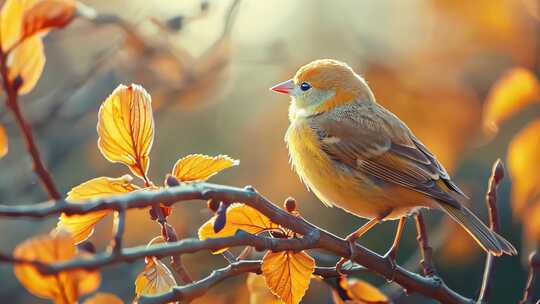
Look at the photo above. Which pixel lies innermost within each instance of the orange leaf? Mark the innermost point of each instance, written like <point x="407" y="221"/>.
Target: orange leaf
<point x="259" y="292"/>
<point x="238" y="216"/>
<point x="11" y="17"/>
<point x="156" y="278"/>
<point x="517" y="89"/>
<point x="126" y="128"/>
<point x="3" y="142"/>
<point x="47" y="14"/>
<point x="531" y="223"/>
<point x="288" y="274"/>
<point x="198" y="167"/>
<point x="82" y="226"/>
<point x="103" y="298"/>
<point x="523" y="158"/>
<point x="360" y="292"/>
<point x="26" y="62"/>
<point x="65" y="287"/>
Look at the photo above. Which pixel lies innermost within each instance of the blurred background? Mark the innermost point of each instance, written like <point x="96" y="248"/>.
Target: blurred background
<point x="208" y="66"/>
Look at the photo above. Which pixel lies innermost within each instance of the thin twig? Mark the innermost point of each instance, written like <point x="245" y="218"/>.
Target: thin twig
<point x="13" y="104"/>
<point x="497" y="174"/>
<point x="428" y="286"/>
<point x="529" y="295"/>
<point x="119" y="227"/>
<point x="423" y="243"/>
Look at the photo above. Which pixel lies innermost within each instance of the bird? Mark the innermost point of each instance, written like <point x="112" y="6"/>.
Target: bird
<point x="353" y="153"/>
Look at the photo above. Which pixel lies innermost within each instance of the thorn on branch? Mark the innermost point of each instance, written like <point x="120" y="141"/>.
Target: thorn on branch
<point x="221" y="217"/>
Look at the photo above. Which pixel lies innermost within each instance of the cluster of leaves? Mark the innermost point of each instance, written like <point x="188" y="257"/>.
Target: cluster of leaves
<point x="23" y="23"/>
<point x="518" y="89"/>
<point x="126" y="132"/>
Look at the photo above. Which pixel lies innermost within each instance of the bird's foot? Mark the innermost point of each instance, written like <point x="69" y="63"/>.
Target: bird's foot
<point x="390" y="256"/>
<point x="342" y="261"/>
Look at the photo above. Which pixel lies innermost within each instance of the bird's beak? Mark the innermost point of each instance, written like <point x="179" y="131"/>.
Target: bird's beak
<point x="284" y="88"/>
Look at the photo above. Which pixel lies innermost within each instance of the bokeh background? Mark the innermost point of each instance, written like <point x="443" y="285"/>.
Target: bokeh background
<point x="208" y="66"/>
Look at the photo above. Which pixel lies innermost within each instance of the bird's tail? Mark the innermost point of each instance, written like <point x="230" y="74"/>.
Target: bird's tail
<point x="488" y="239"/>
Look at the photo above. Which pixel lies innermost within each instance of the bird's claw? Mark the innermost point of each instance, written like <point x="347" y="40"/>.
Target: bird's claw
<point x="342" y="261"/>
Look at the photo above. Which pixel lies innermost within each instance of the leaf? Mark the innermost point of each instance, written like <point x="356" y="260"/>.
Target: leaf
<point x="360" y="292"/>
<point x="126" y="128"/>
<point x="11" y="17"/>
<point x="26" y="62"/>
<point x="103" y="298"/>
<point x="198" y="167"/>
<point x="514" y="91"/>
<point x="523" y="159"/>
<point x="45" y="15"/>
<point x="288" y="274"/>
<point x="65" y="287"/>
<point x="259" y="292"/>
<point x="156" y="278"/>
<point x="82" y="226"/>
<point x="239" y="216"/>
<point x="3" y="141"/>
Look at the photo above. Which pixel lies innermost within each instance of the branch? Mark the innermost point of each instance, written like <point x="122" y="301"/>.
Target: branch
<point x="497" y="174"/>
<point x="534" y="271"/>
<point x="412" y="282"/>
<point x="13" y="104"/>
<point x="426" y="251"/>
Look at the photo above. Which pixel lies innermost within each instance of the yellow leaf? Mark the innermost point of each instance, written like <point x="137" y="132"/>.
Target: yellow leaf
<point x="238" y="216"/>
<point x="103" y="298"/>
<point x="65" y="287"/>
<point x="523" y="160"/>
<point x="156" y="278"/>
<point x="82" y="226"/>
<point x="47" y="14"/>
<point x="517" y="89"/>
<point x="126" y="128"/>
<point x="26" y="62"/>
<point x="259" y="292"/>
<point x="3" y="142"/>
<point x="198" y="167"/>
<point x="288" y="274"/>
<point x="11" y="17"/>
<point x="359" y="292"/>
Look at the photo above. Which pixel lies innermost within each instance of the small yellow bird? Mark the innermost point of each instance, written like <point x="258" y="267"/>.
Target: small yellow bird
<point x="355" y="154"/>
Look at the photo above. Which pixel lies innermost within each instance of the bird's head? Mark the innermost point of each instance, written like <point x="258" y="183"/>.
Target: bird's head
<point x="322" y="85"/>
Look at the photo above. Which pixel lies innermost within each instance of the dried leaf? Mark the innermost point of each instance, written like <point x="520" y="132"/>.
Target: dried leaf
<point x="3" y="141"/>
<point x="523" y="156"/>
<point x="156" y="278"/>
<point x="11" y="17"/>
<point x="103" y="298"/>
<point x="82" y="226"/>
<point x="198" y="167"/>
<point x="26" y="62"/>
<point x="45" y="15"/>
<point x="517" y="89"/>
<point x="239" y="216"/>
<point x="126" y="128"/>
<point x="65" y="287"/>
<point x="288" y="274"/>
<point x="359" y="292"/>
<point x="259" y="292"/>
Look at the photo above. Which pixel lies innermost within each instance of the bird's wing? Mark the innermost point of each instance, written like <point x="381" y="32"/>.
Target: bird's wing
<point x="374" y="147"/>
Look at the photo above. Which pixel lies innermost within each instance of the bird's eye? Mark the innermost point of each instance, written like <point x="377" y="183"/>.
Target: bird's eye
<point x="305" y="86"/>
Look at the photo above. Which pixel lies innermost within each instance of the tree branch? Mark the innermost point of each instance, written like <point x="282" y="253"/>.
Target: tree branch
<point x="426" y="252"/>
<point x="497" y="174"/>
<point x="412" y="282"/>
<point x="534" y="271"/>
<point x="13" y="104"/>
